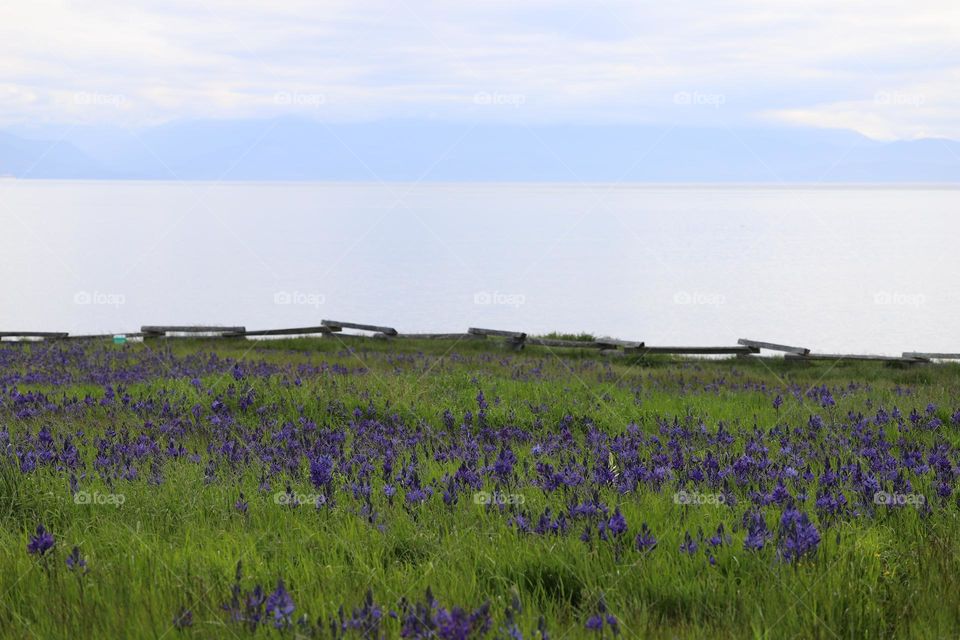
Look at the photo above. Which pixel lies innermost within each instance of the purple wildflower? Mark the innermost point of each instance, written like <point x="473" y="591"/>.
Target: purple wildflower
<point x="798" y="536"/>
<point x="617" y="523"/>
<point x="645" y="541"/>
<point x="280" y="605"/>
<point x="75" y="562"/>
<point x="41" y="542"/>
<point x="688" y="545"/>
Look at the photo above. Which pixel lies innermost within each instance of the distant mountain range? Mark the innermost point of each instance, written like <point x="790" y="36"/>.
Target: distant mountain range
<point x="296" y="149"/>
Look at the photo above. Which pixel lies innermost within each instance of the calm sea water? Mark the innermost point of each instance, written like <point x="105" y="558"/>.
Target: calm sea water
<point x="834" y="269"/>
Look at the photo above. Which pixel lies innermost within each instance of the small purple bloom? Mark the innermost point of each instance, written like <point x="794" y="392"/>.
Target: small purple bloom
<point x="645" y="541"/>
<point x="280" y="605"/>
<point x="75" y="562"/>
<point x="798" y="536"/>
<point x="40" y="543"/>
<point x="688" y="545"/>
<point x="617" y="524"/>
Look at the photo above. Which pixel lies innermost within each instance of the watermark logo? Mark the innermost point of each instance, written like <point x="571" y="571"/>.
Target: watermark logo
<point x="499" y="99"/>
<point x="899" y="499"/>
<point x="899" y="299"/>
<point x="97" y="498"/>
<point x="692" y="498"/>
<point x="299" y="99"/>
<point x="289" y="499"/>
<point x="699" y="298"/>
<point x="899" y="99"/>
<point x="299" y="298"/>
<point x="93" y="99"/>
<point x="498" y="498"/>
<point x="490" y="298"/>
<point x="99" y="298"/>
<point x="695" y="98"/>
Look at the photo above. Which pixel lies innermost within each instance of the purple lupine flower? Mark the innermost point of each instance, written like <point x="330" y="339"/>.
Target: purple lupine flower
<point x="617" y="523"/>
<point x="40" y="543"/>
<point x="757" y="532"/>
<point x="596" y="621"/>
<point x="778" y="402"/>
<point x="416" y="496"/>
<point x="688" y="545"/>
<point x="75" y="562"/>
<point x="645" y="542"/>
<point x="798" y="536"/>
<point x="719" y="538"/>
<point x="280" y="605"/>
<point x="241" y="504"/>
<point x="585" y="536"/>
<point x="321" y="471"/>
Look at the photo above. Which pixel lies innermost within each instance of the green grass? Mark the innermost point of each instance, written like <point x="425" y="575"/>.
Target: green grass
<point x="178" y="544"/>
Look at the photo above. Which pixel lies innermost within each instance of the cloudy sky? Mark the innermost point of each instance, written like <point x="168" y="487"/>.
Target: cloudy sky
<point x="889" y="70"/>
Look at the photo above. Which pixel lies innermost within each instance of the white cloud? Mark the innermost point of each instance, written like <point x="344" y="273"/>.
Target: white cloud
<point x="812" y="62"/>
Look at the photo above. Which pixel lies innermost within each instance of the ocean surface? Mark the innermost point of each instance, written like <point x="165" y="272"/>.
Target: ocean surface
<point x="837" y="269"/>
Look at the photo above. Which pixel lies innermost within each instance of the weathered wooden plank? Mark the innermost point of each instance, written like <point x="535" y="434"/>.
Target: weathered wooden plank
<point x="439" y="336"/>
<point x="931" y="356"/>
<point x="164" y="329"/>
<point x="613" y="342"/>
<point x="282" y="332"/>
<point x="572" y="344"/>
<point x="33" y="334"/>
<point x="851" y="356"/>
<point x="772" y="346"/>
<point x="337" y="325"/>
<point x="104" y="336"/>
<point x="692" y="350"/>
<point x="496" y="332"/>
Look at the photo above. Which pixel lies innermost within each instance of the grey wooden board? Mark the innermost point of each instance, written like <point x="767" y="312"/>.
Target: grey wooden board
<point x="613" y="342"/>
<point x="692" y="350"/>
<point x="496" y="332"/>
<point x="573" y="344"/>
<point x="33" y="334"/>
<point x="336" y="325"/>
<point x="772" y="346"/>
<point x="104" y="336"/>
<point x="850" y="356"/>
<point x="282" y="332"/>
<point x="440" y="336"/>
<point x="161" y="329"/>
<point x="931" y="356"/>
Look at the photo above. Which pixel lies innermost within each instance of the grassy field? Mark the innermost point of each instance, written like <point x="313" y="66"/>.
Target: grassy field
<point x="324" y="488"/>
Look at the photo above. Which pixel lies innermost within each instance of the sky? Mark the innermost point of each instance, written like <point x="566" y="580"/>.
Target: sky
<point x="888" y="70"/>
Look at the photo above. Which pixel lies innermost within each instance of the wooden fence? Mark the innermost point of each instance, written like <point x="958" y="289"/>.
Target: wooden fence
<point x="515" y="340"/>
